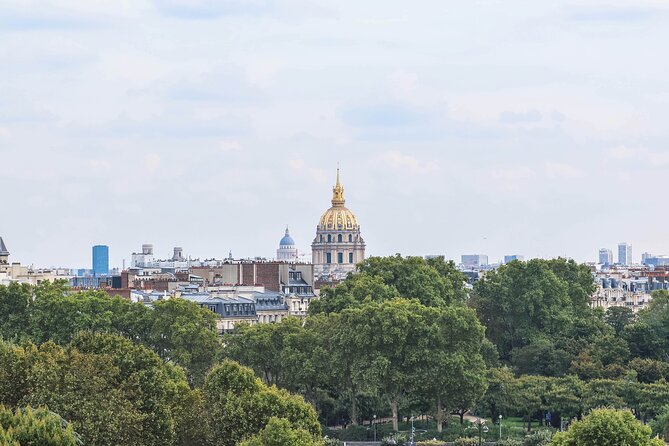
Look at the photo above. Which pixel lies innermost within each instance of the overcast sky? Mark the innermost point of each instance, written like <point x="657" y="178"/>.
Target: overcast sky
<point x="498" y="127"/>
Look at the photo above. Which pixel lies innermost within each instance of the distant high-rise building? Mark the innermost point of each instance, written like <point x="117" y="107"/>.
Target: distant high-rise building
<point x="512" y="257"/>
<point x="656" y="261"/>
<point x="645" y="256"/>
<point x="474" y="260"/>
<point x="605" y="256"/>
<point x="100" y="260"/>
<point x="624" y="253"/>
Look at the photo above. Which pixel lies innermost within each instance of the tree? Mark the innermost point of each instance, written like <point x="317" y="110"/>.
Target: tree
<point x="390" y="346"/>
<point x="86" y="391"/>
<point x="454" y="373"/>
<point x="604" y="393"/>
<point x="15" y="303"/>
<point x="112" y="390"/>
<point x="564" y="396"/>
<point x="649" y="370"/>
<point x="354" y="291"/>
<point x="499" y="396"/>
<point x="182" y="332"/>
<point x="578" y="277"/>
<point x="660" y="424"/>
<point x="416" y="278"/>
<point x="451" y="273"/>
<point x="619" y="317"/>
<point x="524" y="301"/>
<point x="279" y="432"/>
<point x="157" y="389"/>
<point x="58" y="316"/>
<point x="39" y="427"/>
<point x="263" y="347"/>
<point x="541" y="357"/>
<point x="605" y="427"/>
<point x="527" y="396"/>
<point x="239" y="405"/>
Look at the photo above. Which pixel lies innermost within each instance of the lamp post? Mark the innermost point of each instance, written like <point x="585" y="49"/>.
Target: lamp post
<point x="500" y="426"/>
<point x="482" y="428"/>
<point x="374" y="424"/>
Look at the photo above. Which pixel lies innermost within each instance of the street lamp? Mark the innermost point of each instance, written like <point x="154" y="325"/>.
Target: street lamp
<point x="482" y="428"/>
<point x="500" y="426"/>
<point x="374" y="424"/>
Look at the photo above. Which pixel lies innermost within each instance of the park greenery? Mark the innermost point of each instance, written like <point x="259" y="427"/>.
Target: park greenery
<point x="402" y="340"/>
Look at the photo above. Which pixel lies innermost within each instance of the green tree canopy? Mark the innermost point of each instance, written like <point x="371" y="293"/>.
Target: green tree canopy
<point x="39" y="427"/>
<point x="280" y="432"/>
<point x="607" y="427"/>
<point x="619" y="317"/>
<point x="525" y="301"/>
<point x="433" y="282"/>
<point x="238" y="406"/>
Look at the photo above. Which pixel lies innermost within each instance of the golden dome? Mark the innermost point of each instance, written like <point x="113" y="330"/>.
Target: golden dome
<point x="338" y="216"/>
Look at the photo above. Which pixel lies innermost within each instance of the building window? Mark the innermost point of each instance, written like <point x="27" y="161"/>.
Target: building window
<point x="350" y="238"/>
<point x="350" y="257"/>
<point x="339" y="238"/>
<point x="328" y="257"/>
<point x="329" y="238"/>
<point x="340" y="257"/>
<point x="321" y="237"/>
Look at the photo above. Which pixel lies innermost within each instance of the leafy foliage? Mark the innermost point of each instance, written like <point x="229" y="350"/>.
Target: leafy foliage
<point x="603" y="427"/>
<point x="39" y="427"/>
<point x="279" y="432"/>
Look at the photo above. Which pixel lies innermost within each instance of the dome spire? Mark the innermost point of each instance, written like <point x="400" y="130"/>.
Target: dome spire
<point x="338" y="192"/>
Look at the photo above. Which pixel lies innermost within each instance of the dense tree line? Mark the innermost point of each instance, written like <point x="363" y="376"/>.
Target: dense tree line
<point x="402" y="336"/>
<point x="121" y="373"/>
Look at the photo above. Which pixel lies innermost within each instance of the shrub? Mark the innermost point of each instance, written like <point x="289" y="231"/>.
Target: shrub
<point x="466" y="442"/>
<point x="510" y="442"/>
<point x="398" y="439"/>
<point x="353" y="433"/>
<point x="538" y="438"/>
<point x="603" y="427"/>
<point x="430" y="443"/>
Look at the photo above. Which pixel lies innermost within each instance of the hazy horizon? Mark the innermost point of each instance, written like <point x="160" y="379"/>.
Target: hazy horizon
<point x="531" y="128"/>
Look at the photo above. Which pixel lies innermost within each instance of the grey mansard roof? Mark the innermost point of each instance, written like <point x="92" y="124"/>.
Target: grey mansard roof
<point x="3" y="248"/>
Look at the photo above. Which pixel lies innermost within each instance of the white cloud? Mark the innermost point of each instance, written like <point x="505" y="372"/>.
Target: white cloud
<point x="152" y="162"/>
<point x="556" y="169"/>
<point x="230" y="145"/>
<point x="407" y="163"/>
<point x="640" y="154"/>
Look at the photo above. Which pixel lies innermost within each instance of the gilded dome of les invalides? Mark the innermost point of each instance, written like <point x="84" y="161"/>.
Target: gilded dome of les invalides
<point x="338" y="216"/>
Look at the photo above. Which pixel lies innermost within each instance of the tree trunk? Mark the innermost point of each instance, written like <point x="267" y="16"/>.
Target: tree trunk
<point x="462" y="416"/>
<point x="529" y="424"/>
<point x="354" y="411"/>
<point x="440" y="415"/>
<point x="393" y="407"/>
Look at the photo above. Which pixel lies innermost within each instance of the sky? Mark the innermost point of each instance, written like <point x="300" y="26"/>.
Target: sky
<point x="481" y="126"/>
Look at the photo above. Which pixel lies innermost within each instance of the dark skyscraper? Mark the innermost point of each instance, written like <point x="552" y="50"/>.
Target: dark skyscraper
<point x="100" y="260"/>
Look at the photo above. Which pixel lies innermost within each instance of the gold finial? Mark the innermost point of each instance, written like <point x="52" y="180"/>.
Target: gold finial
<point x="338" y="192"/>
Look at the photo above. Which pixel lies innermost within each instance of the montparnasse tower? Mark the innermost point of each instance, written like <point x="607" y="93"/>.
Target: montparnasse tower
<point x="338" y="245"/>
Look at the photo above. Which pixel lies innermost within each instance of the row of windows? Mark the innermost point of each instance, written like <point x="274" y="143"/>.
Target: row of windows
<point x="340" y="226"/>
<point x="340" y="238"/>
<point x="340" y="257"/>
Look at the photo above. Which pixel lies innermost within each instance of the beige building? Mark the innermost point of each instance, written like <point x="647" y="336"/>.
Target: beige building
<point x="338" y="245"/>
<point x="15" y="272"/>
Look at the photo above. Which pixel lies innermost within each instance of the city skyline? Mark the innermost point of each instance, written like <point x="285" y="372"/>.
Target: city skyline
<point x="460" y="127"/>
